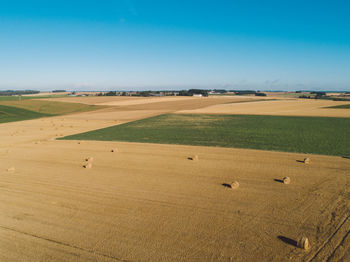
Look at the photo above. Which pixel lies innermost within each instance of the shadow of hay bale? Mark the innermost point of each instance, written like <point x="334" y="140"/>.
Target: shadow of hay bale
<point x="288" y="241"/>
<point x="233" y="185"/>
<point x="303" y="242"/>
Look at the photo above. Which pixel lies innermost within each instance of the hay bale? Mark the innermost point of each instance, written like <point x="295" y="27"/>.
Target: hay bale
<point x="114" y="150"/>
<point x="79" y="143"/>
<point x="88" y="165"/>
<point x="235" y="185"/>
<point x="194" y="158"/>
<point x="286" y="180"/>
<point x="307" y="160"/>
<point x="11" y="169"/>
<point x="89" y="159"/>
<point x="303" y="242"/>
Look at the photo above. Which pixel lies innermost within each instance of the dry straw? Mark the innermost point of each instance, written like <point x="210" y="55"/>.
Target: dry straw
<point x="194" y="158"/>
<point x="88" y="165"/>
<point x="286" y="180"/>
<point x="235" y="185"/>
<point x="307" y="160"/>
<point x="303" y="243"/>
<point x="10" y="169"/>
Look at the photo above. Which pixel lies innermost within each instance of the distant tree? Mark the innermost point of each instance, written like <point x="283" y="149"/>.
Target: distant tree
<point x="191" y="92"/>
<point x="111" y="93"/>
<point x="18" y="92"/>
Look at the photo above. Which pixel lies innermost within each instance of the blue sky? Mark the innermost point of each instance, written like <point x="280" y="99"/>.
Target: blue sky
<point x="135" y="44"/>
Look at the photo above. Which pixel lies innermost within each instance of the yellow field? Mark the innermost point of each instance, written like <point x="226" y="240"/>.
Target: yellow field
<point x="290" y="107"/>
<point x="149" y="202"/>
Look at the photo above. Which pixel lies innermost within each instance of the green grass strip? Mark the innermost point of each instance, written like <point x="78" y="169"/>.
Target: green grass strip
<point x="317" y="135"/>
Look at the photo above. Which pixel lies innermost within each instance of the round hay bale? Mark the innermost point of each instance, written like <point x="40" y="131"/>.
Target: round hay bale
<point x="79" y="143"/>
<point x="194" y="158"/>
<point x="235" y="185"/>
<point x="303" y="242"/>
<point x="114" y="150"/>
<point x="88" y="165"/>
<point x="89" y="159"/>
<point x="307" y="160"/>
<point x="10" y="169"/>
<point x="286" y="180"/>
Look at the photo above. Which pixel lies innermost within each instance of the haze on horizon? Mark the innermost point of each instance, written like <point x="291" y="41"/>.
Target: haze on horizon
<point x="135" y="44"/>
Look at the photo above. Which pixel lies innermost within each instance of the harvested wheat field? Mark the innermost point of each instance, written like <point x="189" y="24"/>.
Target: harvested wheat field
<point x="149" y="202"/>
<point x="282" y="107"/>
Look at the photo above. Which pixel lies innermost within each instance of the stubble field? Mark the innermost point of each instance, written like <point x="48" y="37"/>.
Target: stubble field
<point x="149" y="202"/>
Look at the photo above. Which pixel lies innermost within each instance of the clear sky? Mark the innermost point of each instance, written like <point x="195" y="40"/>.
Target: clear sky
<point x="173" y="44"/>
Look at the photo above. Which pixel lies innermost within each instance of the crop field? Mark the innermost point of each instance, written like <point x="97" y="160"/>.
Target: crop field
<point x="278" y="107"/>
<point x="327" y="136"/>
<point x="28" y="97"/>
<point x="30" y="109"/>
<point x="347" y="106"/>
<point x="10" y="114"/>
<point x="84" y="200"/>
<point x="51" y="107"/>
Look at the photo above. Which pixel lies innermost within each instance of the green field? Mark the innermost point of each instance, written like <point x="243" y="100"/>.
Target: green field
<point x="50" y="107"/>
<point x="341" y="107"/>
<point x="21" y="98"/>
<point x="10" y="114"/>
<point x="29" y="109"/>
<point x="318" y="135"/>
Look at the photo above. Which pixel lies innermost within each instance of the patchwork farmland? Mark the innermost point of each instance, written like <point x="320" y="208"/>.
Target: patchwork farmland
<point x="206" y="183"/>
